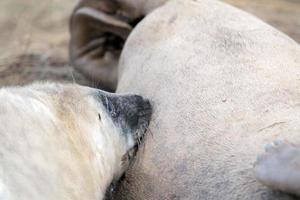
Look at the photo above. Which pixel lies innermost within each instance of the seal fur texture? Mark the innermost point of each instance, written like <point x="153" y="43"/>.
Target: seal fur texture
<point x="66" y="141"/>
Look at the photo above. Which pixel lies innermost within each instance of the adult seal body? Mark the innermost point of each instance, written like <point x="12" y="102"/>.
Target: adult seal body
<point x="223" y="84"/>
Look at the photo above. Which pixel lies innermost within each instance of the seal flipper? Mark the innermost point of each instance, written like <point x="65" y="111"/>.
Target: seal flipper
<point x="278" y="167"/>
<point x="98" y="33"/>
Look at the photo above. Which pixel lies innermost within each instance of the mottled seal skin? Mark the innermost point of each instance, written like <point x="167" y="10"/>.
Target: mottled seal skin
<point x="98" y="30"/>
<point x="65" y="141"/>
<point x="223" y="84"/>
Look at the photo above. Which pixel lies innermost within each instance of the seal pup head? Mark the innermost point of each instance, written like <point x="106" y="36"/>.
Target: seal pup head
<point x="123" y="120"/>
<point x="87" y="135"/>
<point x="130" y="114"/>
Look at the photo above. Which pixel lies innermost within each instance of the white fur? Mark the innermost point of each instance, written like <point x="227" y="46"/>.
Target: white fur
<point x="53" y="145"/>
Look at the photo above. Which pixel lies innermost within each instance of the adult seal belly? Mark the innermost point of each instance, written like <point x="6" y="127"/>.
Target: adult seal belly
<point x="223" y="84"/>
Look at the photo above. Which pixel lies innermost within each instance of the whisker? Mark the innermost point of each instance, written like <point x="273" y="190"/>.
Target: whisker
<point x="72" y="74"/>
<point x="151" y="133"/>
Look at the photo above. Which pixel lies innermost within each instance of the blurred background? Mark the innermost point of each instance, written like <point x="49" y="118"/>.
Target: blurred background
<point x="34" y="36"/>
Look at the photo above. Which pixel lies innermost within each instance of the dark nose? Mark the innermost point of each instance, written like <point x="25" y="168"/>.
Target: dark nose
<point x="130" y="112"/>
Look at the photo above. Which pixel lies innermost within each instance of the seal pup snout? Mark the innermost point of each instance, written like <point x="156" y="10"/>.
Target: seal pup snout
<point x="131" y="113"/>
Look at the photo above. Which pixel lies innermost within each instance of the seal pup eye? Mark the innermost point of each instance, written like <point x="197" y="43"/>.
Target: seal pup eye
<point x="99" y="116"/>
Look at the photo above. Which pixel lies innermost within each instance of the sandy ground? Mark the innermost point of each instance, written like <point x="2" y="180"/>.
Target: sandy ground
<point x="34" y="26"/>
<point x="282" y="14"/>
<point x="34" y="42"/>
<point x="34" y="36"/>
